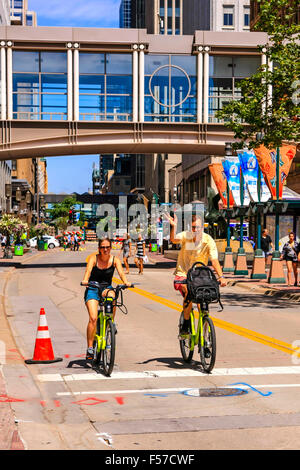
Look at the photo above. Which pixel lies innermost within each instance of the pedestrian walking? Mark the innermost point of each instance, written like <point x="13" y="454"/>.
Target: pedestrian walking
<point x="140" y="253"/>
<point x="266" y="243"/>
<point x="76" y="242"/>
<point x="126" y="252"/>
<point x="291" y="254"/>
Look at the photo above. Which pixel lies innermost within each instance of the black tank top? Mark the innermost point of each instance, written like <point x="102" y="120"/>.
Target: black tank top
<point x="103" y="276"/>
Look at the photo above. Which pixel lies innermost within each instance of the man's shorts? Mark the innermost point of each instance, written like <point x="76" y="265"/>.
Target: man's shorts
<point x="179" y="286"/>
<point x="94" y="293"/>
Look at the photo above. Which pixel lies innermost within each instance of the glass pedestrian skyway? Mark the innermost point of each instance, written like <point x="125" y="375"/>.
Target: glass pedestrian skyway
<point x="124" y="82"/>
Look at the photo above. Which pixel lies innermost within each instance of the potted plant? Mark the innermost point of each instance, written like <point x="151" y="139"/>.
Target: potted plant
<point x="40" y="230"/>
<point x="19" y="230"/>
<point x="8" y="224"/>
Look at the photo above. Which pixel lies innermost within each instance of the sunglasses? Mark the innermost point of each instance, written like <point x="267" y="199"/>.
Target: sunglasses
<point x="104" y="247"/>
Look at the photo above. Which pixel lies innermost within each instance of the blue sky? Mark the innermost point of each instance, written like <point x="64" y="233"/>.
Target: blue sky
<point x="74" y="174"/>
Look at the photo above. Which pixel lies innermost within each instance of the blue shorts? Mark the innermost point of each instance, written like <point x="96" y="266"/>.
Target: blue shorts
<point x="94" y="293"/>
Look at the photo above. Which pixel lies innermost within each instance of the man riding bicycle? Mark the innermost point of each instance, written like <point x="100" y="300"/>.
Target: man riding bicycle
<point x="196" y="246"/>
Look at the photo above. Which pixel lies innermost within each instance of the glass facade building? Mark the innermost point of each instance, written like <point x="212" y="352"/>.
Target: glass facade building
<point x="225" y="75"/>
<point x="40" y="86"/>
<point x="105" y="87"/>
<point x="170" y="88"/>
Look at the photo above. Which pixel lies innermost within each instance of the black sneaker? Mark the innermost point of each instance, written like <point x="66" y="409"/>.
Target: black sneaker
<point x="89" y="354"/>
<point x="185" y="328"/>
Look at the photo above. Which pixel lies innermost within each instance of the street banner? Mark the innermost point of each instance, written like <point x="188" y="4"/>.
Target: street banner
<point x="250" y="169"/>
<point x="267" y="162"/>
<point x="232" y="169"/>
<point x="217" y="172"/>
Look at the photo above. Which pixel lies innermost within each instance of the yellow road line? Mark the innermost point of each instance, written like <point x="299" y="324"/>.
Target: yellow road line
<point x="236" y="329"/>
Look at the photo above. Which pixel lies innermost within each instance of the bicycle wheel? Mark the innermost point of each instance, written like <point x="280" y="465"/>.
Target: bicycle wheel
<point x="208" y="350"/>
<point x="97" y="354"/>
<point x="185" y="344"/>
<point x="110" y="348"/>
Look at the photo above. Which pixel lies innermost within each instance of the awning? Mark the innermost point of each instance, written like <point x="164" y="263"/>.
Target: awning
<point x="22" y="184"/>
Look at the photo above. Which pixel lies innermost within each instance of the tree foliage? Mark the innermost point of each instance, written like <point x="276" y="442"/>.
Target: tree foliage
<point x="270" y="98"/>
<point x="61" y="209"/>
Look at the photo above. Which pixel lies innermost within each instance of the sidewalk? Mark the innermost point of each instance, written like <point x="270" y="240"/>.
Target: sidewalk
<point x="9" y="436"/>
<point x="281" y="291"/>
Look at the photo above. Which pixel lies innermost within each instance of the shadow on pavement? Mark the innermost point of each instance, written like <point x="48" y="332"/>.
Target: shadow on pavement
<point x="79" y="265"/>
<point x="174" y="362"/>
<point x="254" y="300"/>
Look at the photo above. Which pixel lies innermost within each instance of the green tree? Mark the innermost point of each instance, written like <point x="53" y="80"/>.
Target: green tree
<point x="270" y="98"/>
<point x="61" y="209"/>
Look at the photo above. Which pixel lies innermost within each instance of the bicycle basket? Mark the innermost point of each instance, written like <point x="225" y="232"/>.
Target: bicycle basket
<point x="202" y="285"/>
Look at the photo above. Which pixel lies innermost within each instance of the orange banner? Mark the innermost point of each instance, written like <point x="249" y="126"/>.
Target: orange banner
<point x="217" y="172"/>
<point x="267" y="161"/>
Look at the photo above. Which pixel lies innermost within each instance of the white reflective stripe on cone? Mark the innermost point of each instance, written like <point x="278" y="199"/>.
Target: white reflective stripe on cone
<point x="43" y="334"/>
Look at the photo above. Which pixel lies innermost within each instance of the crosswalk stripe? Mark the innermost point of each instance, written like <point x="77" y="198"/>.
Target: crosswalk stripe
<point x="245" y="371"/>
<point x="154" y="391"/>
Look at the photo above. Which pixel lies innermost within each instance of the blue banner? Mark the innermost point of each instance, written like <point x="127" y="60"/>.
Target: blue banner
<point x="232" y="170"/>
<point x="250" y="169"/>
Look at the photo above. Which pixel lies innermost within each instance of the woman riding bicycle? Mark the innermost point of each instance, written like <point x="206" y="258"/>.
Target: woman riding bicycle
<point x="100" y="268"/>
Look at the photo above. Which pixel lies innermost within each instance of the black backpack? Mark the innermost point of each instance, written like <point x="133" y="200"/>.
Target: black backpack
<point x="202" y="285"/>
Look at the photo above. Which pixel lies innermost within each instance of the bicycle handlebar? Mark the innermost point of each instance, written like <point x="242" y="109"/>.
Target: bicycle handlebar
<point x="98" y="285"/>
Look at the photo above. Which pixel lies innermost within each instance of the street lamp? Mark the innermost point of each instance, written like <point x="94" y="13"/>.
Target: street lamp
<point x="8" y="194"/>
<point x="28" y="202"/>
<point x="258" y="208"/>
<point x="228" y="256"/>
<point x="18" y="195"/>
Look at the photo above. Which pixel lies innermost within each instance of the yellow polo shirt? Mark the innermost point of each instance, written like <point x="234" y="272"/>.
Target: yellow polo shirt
<point x="192" y="252"/>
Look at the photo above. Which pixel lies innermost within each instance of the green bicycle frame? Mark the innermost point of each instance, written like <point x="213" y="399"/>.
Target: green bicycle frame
<point x="101" y="326"/>
<point x="197" y="334"/>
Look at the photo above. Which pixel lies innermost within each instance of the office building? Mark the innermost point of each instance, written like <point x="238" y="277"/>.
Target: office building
<point x="177" y="17"/>
<point x="20" y="15"/>
<point x="125" y="14"/>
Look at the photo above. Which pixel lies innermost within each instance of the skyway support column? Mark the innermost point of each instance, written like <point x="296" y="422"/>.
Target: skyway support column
<point x="76" y="82"/>
<point x="70" y="80"/>
<point x="3" y="81"/>
<point x="135" y="83"/>
<point x="9" y="85"/>
<point x="205" y="84"/>
<point x="199" y="85"/>
<point x="141" y="83"/>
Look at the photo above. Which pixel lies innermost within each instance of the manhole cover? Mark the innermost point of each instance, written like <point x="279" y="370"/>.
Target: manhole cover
<point x="214" y="392"/>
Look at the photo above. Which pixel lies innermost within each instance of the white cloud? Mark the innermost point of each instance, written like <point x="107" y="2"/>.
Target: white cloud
<point x="102" y="12"/>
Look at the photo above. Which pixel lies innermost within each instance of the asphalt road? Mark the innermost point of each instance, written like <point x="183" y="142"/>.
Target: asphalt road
<point x="153" y="399"/>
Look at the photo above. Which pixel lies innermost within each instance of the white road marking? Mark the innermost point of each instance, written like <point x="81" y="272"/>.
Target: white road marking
<point x="246" y="371"/>
<point x="154" y="391"/>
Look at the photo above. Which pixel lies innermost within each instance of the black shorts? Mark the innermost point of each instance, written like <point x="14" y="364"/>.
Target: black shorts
<point x="294" y="259"/>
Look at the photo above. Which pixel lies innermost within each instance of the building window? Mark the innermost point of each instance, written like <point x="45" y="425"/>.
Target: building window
<point x="29" y="20"/>
<point x="228" y="15"/>
<point x="105" y="87"/>
<point x="39" y="85"/>
<point x="225" y="75"/>
<point x="162" y="17"/>
<point x="170" y="88"/>
<point x="247" y="16"/>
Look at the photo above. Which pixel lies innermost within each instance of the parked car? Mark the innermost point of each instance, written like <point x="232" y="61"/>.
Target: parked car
<point x="52" y="241"/>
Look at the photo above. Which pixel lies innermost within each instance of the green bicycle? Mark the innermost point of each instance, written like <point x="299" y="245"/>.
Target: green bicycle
<point x="104" y="344"/>
<point x="202" y="335"/>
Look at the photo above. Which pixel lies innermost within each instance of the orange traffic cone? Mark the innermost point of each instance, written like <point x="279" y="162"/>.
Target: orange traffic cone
<point x="43" y="351"/>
